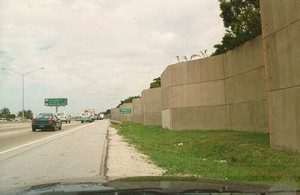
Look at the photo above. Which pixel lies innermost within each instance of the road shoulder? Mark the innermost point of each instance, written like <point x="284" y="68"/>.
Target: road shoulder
<point x="125" y="161"/>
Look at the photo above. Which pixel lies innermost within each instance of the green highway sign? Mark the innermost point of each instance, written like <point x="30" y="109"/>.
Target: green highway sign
<point x="125" y="111"/>
<point x="56" y="101"/>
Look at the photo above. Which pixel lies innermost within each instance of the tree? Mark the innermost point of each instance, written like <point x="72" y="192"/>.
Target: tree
<point x="128" y="100"/>
<point x="178" y="59"/>
<point x="27" y="114"/>
<point x="242" y="21"/>
<point x="156" y="83"/>
<point x="5" y="113"/>
<point x="107" y="112"/>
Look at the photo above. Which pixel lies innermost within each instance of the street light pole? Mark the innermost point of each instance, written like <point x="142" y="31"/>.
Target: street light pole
<point x="23" y="114"/>
<point x="23" y="78"/>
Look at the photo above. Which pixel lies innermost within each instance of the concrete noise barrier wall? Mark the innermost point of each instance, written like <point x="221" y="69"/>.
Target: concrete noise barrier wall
<point x="114" y="114"/>
<point x="127" y="117"/>
<point x="193" y="95"/>
<point x="281" y="39"/>
<point x="138" y="114"/>
<point x="151" y="106"/>
<point x="217" y="93"/>
<point x="245" y="90"/>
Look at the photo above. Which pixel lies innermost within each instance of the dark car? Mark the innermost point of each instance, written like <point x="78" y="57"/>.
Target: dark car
<point x="46" y="121"/>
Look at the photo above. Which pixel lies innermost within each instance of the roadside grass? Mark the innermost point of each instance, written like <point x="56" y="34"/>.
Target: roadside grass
<point x="222" y="155"/>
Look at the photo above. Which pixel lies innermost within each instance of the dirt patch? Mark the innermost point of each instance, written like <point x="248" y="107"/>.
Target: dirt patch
<point x="125" y="161"/>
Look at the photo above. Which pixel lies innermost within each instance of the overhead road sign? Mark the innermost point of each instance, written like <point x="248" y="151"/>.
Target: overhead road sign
<point x="56" y="101"/>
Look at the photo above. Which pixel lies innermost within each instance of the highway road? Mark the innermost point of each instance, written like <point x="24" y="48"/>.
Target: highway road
<point x="28" y="158"/>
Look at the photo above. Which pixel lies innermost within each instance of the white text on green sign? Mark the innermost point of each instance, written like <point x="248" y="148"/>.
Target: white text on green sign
<point x="56" y="101"/>
<point x="125" y="111"/>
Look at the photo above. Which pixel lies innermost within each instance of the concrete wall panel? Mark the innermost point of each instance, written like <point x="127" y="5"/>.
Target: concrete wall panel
<point x="152" y="100"/>
<point x="277" y="14"/>
<point x="166" y="118"/>
<point x="126" y="117"/>
<point x="153" y="118"/>
<point x="283" y="56"/>
<point x="281" y="39"/>
<point x="196" y="71"/>
<point x="114" y="114"/>
<point x="200" y="94"/>
<point x="286" y="112"/>
<point x="248" y="116"/>
<point x="165" y="77"/>
<point x="152" y="106"/>
<point x="199" y="118"/>
<point x="249" y="86"/>
<point x="201" y="86"/>
<point x="137" y="106"/>
<point x="247" y="57"/>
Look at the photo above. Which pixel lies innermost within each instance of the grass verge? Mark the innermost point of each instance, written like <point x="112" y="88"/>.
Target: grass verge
<point x="223" y="155"/>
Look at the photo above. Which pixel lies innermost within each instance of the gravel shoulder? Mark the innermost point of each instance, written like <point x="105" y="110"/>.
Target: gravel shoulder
<point x="123" y="160"/>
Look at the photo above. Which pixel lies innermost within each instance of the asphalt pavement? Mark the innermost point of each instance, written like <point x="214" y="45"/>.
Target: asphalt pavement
<point x="28" y="158"/>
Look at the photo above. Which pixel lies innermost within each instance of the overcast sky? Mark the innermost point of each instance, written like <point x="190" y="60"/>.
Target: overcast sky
<point x="96" y="52"/>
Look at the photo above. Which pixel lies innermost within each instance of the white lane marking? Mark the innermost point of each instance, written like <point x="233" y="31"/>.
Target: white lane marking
<point x="40" y="140"/>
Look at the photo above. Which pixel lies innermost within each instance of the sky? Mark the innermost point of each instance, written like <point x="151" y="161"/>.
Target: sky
<point x="96" y="52"/>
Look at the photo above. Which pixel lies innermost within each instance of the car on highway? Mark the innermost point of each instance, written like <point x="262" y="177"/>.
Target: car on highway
<point x="45" y="121"/>
<point x="86" y="117"/>
<point x="3" y="120"/>
<point x="64" y="117"/>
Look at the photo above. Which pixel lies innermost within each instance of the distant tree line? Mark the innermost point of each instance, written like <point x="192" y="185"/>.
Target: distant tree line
<point x="5" y="113"/>
<point x="128" y="100"/>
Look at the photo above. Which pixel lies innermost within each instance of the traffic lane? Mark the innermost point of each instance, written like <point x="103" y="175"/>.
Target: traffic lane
<point x="23" y="134"/>
<point x="13" y="126"/>
<point x="77" y="153"/>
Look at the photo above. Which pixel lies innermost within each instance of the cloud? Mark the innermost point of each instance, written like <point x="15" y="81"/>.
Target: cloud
<point x="46" y="47"/>
<point x="98" y="52"/>
<point x="5" y="59"/>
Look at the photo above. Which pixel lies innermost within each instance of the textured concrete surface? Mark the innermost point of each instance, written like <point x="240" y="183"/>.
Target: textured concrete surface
<point x="115" y="114"/>
<point x="137" y="105"/>
<point x="166" y="118"/>
<point x="127" y="117"/>
<point x="188" y="91"/>
<point x="194" y="93"/>
<point x="249" y="86"/>
<point x="244" y="58"/>
<point x="278" y="14"/>
<point x="281" y="39"/>
<point x="196" y="71"/>
<point x="152" y="106"/>
<point x="165" y="82"/>
<point x="248" y="116"/>
<point x="199" y="118"/>
<point x="282" y="55"/>
<point x="245" y="88"/>
<point x="199" y="94"/>
<point x="286" y="113"/>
